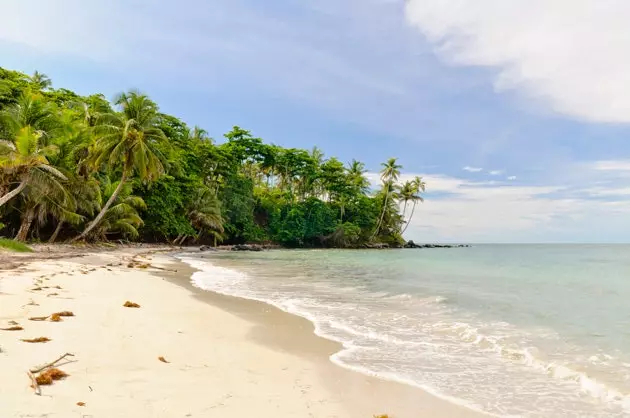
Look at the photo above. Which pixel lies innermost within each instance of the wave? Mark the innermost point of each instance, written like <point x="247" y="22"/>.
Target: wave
<point x="357" y="339"/>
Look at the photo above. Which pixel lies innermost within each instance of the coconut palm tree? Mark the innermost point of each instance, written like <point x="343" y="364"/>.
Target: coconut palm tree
<point x="122" y="216"/>
<point x="128" y="141"/>
<point x="356" y="173"/>
<point x="204" y="213"/>
<point x="389" y="175"/>
<point x="418" y="186"/>
<point x="41" y="81"/>
<point x="26" y="161"/>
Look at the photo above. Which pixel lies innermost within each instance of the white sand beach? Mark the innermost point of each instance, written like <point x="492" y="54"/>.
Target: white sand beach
<point x="225" y="357"/>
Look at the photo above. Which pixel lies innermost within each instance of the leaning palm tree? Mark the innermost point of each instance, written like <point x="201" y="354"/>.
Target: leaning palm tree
<point x="122" y="217"/>
<point x="128" y="141"/>
<point x="389" y="175"/>
<point x="26" y="161"/>
<point x="417" y="186"/>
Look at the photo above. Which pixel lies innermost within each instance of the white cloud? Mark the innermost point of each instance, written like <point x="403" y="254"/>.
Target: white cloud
<point x="496" y="172"/>
<point x="472" y="169"/>
<point x="570" y="54"/>
<point x="512" y="178"/>
<point x="611" y="165"/>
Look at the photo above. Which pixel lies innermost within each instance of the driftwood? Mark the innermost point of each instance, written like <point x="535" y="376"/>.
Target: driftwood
<point x="51" y="364"/>
<point x="34" y="385"/>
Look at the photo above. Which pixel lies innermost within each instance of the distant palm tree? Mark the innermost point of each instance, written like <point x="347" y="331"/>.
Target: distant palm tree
<point x="128" y="140"/>
<point x="356" y="172"/>
<point x="204" y="213"/>
<point x="389" y="175"/>
<point x="417" y="186"/>
<point x="41" y="81"/>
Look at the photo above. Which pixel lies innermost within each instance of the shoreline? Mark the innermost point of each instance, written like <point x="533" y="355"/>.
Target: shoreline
<point x="277" y="329"/>
<point x="227" y="356"/>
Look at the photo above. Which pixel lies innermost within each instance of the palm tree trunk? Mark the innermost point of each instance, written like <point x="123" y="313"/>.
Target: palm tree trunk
<point x="4" y="199"/>
<point x="413" y="209"/>
<point x="22" y="234"/>
<point x="380" y="221"/>
<point x="105" y="208"/>
<point x="55" y="234"/>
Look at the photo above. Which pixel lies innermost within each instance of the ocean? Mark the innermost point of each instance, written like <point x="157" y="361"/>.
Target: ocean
<point x="509" y="330"/>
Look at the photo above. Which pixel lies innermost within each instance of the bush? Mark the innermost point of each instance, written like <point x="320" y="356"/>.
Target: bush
<point x="15" y="246"/>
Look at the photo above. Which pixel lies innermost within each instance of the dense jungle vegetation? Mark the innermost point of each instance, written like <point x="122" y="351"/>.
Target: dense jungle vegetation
<point x="81" y="168"/>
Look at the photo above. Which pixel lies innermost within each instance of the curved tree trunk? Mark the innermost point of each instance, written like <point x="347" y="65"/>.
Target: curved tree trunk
<point x="380" y="221"/>
<point x="55" y="234"/>
<point x="105" y="208"/>
<point x="27" y="221"/>
<point x="4" y="199"/>
<point x="413" y="209"/>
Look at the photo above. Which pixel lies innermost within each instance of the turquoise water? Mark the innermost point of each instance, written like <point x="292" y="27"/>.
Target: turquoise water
<point x="510" y="330"/>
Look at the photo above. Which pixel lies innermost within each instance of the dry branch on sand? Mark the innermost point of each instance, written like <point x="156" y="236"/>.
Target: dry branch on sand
<point x="38" y="318"/>
<point x="64" y="313"/>
<point x="129" y="304"/>
<point x="37" y="340"/>
<point x="13" y="328"/>
<point x="51" y="364"/>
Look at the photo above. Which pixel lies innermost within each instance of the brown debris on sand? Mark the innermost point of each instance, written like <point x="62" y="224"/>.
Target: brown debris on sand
<point x="55" y="317"/>
<point x="49" y="376"/>
<point x="39" y="318"/>
<point x="37" y="340"/>
<point x="130" y="304"/>
<point x="13" y="328"/>
<point x="163" y="360"/>
<point x="81" y="403"/>
<point x="64" y="313"/>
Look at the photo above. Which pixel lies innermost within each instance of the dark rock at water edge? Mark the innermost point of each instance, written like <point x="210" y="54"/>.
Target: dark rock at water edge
<point x="412" y="244"/>
<point x="247" y="247"/>
<point x="207" y="248"/>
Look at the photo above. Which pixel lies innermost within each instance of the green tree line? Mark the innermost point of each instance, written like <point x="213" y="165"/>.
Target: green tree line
<point x="83" y="168"/>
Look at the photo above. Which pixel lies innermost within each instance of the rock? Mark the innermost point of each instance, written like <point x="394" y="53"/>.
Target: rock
<point x="207" y="248"/>
<point x="377" y="246"/>
<point x="247" y="247"/>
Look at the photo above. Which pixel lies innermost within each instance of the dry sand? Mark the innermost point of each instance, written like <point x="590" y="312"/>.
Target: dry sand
<point x="227" y="357"/>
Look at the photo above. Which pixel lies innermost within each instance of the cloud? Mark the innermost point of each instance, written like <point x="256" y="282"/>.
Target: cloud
<point x="511" y="178"/>
<point x="472" y="169"/>
<point x="570" y="55"/>
<point x="611" y="165"/>
<point x="496" y="172"/>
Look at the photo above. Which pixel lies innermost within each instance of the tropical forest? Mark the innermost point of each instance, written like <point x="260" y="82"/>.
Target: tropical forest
<point x="83" y="168"/>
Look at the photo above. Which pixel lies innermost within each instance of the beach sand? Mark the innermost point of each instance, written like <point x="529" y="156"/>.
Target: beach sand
<point x="227" y="357"/>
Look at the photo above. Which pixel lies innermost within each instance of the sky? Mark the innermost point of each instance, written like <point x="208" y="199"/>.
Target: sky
<point x="516" y="113"/>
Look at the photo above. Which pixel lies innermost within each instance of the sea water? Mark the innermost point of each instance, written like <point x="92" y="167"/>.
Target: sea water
<point x="510" y="330"/>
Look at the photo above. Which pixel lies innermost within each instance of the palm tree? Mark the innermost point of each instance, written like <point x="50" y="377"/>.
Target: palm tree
<point x="86" y="201"/>
<point x="25" y="160"/>
<point x="356" y="172"/>
<point x="389" y="175"/>
<point x="406" y="193"/>
<point x="41" y="81"/>
<point x="204" y="213"/>
<point x="122" y="216"/>
<point x="418" y="186"/>
<point x="128" y="141"/>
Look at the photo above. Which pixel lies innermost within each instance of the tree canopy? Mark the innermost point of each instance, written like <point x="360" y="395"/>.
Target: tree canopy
<point x="81" y="168"/>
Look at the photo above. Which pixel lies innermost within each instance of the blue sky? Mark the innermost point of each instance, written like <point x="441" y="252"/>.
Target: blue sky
<point x="516" y="114"/>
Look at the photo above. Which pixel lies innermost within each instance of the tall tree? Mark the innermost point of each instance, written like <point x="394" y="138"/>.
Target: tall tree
<point x="417" y="186"/>
<point x="128" y="140"/>
<point x="389" y="175"/>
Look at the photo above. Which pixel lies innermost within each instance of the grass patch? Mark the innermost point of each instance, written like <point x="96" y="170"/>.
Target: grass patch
<point x="14" y="246"/>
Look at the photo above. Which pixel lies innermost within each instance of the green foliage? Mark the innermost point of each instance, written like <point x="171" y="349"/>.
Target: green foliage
<point x="80" y="166"/>
<point x="15" y="246"/>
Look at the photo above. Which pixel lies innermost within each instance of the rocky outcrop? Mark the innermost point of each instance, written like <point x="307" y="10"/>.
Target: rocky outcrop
<point x="247" y="247"/>
<point x="412" y="244"/>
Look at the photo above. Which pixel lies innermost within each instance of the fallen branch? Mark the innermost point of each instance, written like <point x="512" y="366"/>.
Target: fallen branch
<point x="51" y="364"/>
<point x="34" y="384"/>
